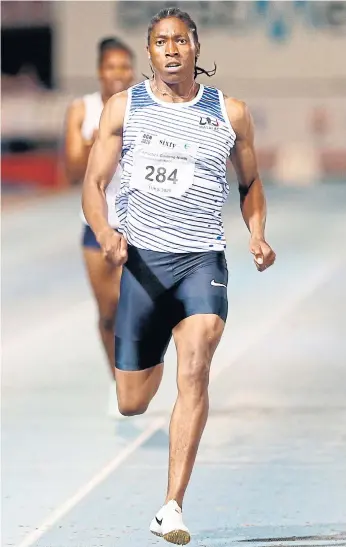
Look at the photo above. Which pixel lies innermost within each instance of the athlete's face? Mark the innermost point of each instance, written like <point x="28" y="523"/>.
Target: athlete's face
<point x="172" y="50"/>
<point x="116" y="71"/>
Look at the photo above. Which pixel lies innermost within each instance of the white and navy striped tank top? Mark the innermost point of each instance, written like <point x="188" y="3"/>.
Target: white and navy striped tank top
<point x="173" y="183"/>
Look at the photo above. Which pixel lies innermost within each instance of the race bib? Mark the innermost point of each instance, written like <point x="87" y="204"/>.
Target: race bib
<point x="163" y="166"/>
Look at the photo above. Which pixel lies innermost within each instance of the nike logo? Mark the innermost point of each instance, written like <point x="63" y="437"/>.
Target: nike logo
<point x="159" y="522"/>
<point x="214" y="284"/>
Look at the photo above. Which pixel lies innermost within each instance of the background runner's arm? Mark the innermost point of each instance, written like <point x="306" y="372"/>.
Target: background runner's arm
<point x="243" y="158"/>
<point x="76" y="148"/>
<point x="103" y="160"/>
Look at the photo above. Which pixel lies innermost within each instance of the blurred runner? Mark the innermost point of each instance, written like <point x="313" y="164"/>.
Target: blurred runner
<point x="115" y="74"/>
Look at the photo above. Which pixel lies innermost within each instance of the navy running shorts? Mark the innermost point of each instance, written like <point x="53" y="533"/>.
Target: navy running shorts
<point x="157" y="291"/>
<point x="88" y="238"/>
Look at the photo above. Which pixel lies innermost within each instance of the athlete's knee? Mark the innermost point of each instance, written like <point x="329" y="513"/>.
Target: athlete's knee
<point x="131" y="408"/>
<point x="193" y="375"/>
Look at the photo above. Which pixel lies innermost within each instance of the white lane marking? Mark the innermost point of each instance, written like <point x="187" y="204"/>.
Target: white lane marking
<point x="97" y="479"/>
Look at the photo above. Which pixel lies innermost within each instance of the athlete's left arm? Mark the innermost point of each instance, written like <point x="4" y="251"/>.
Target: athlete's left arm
<point x="252" y="198"/>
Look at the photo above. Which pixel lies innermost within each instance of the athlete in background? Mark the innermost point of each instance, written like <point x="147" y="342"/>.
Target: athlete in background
<point x="115" y="74"/>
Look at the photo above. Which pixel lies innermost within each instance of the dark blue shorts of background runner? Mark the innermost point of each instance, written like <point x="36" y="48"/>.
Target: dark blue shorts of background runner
<point x="88" y="238"/>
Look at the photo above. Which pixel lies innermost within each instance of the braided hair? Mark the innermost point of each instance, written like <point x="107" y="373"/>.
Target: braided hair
<point x="185" y="17"/>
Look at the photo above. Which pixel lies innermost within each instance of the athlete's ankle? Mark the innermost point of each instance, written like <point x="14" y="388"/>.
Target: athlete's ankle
<point x="178" y="498"/>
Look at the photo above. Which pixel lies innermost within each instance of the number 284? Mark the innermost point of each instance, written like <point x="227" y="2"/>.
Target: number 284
<point x="160" y="174"/>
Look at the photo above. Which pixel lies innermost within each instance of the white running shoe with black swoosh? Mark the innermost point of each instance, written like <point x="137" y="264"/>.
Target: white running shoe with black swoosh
<point x="168" y="523"/>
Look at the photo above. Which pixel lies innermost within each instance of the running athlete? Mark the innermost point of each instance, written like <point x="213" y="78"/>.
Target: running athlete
<point x="173" y="137"/>
<point x="116" y="73"/>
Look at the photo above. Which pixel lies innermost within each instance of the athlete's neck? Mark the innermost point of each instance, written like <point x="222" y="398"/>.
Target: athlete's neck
<point x="180" y="92"/>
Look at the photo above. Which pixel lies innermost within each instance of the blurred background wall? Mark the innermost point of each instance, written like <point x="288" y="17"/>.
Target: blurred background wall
<point x="286" y="59"/>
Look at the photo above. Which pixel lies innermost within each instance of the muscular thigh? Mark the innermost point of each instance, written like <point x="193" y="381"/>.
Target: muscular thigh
<point x="143" y="325"/>
<point x="202" y="293"/>
<point x="203" y="287"/>
<point x="197" y="337"/>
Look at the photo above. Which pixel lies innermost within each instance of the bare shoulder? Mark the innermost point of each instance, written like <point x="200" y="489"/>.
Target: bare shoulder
<point x="238" y="113"/>
<point x="113" y="115"/>
<point x="118" y="102"/>
<point x="76" y="111"/>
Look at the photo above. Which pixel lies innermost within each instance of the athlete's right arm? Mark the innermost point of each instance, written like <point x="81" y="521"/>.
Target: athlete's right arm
<point x="103" y="160"/>
<point x="77" y="150"/>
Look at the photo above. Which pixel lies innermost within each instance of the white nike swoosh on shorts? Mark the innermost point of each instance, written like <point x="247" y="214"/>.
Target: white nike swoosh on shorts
<point x="214" y="284"/>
